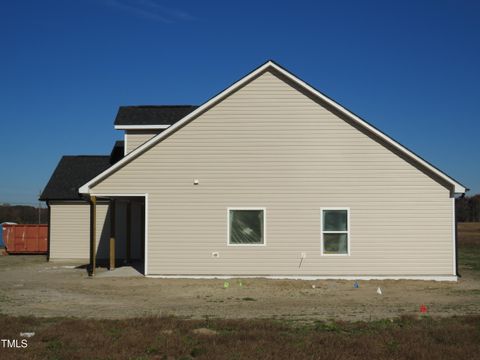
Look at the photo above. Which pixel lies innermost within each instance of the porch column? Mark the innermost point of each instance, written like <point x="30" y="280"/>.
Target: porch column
<point x="93" y="234"/>
<point x="112" y="234"/>
<point x="129" y="229"/>
<point x="142" y="230"/>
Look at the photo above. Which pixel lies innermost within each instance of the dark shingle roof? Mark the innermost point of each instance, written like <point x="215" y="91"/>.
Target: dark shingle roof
<point x="117" y="151"/>
<point x="152" y="115"/>
<point x="71" y="173"/>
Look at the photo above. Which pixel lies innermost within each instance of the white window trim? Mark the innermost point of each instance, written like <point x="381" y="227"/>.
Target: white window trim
<point x="264" y="226"/>
<point x="335" y="232"/>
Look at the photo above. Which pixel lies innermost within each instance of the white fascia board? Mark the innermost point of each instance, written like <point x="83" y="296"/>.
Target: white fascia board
<point x="141" y="127"/>
<point x="457" y="187"/>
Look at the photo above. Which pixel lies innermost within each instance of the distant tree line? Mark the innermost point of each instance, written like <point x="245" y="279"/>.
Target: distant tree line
<point x="468" y="208"/>
<point x="23" y="214"/>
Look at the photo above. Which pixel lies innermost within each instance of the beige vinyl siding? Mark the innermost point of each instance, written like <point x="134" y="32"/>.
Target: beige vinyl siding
<point x="70" y="230"/>
<point x="269" y="145"/>
<point x="135" y="138"/>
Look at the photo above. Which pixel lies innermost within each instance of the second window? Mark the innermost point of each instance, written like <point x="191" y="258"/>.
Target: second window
<point x="335" y="231"/>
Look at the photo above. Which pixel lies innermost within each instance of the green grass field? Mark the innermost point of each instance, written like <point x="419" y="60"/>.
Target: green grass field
<point x="469" y="246"/>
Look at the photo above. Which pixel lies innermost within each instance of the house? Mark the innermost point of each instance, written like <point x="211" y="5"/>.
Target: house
<point x="268" y="178"/>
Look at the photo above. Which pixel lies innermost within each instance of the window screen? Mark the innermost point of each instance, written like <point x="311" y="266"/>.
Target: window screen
<point x="246" y="227"/>
<point x="335" y="231"/>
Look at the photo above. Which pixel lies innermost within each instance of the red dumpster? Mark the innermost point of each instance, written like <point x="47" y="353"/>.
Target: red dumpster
<point x="25" y="239"/>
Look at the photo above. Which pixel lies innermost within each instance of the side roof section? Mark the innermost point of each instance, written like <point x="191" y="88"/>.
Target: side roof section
<point x="117" y="151"/>
<point x="150" y="116"/>
<point x="70" y="173"/>
<point x="456" y="187"/>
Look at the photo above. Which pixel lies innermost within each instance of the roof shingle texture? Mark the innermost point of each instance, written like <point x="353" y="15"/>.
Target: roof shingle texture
<point x="71" y="173"/>
<point x="117" y="151"/>
<point x="152" y="115"/>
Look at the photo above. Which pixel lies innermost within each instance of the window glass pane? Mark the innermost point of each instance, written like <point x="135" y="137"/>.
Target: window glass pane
<point x="335" y="243"/>
<point x="334" y="220"/>
<point x="246" y="226"/>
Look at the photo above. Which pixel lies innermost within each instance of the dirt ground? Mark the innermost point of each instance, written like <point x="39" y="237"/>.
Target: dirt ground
<point x="31" y="286"/>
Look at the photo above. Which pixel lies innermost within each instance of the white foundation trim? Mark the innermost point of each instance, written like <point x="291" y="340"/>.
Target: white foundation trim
<point x="312" y="277"/>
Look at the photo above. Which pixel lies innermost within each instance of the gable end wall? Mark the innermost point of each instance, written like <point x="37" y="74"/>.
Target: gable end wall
<point x="268" y="145"/>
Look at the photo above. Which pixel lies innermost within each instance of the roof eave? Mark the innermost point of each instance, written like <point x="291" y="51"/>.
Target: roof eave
<point x="61" y="199"/>
<point x="141" y="127"/>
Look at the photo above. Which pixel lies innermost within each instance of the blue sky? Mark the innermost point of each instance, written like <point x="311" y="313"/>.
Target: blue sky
<point x="411" y="68"/>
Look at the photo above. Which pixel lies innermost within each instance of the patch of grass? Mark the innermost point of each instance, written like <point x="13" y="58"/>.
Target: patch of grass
<point x="402" y="338"/>
<point x="327" y="326"/>
<point x="466" y="292"/>
<point x="4" y="299"/>
<point x="469" y="234"/>
<point x="151" y="350"/>
<point x="469" y="257"/>
<point x="248" y="299"/>
<point x="196" y="352"/>
<point x="469" y="246"/>
<point x="115" y="332"/>
<point x="54" y="345"/>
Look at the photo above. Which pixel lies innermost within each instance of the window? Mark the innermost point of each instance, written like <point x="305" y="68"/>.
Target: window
<point x="246" y="226"/>
<point x="335" y="231"/>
